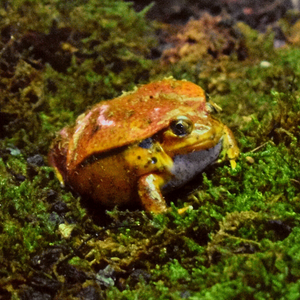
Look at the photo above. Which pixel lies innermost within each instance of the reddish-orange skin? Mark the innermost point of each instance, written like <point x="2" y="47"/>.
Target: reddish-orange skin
<point x="98" y="156"/>
<point x="132" y="117"/>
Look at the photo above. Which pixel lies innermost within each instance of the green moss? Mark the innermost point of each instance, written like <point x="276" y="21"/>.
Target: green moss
<point x="25" y="224"/>
<point x="240" y="240"/>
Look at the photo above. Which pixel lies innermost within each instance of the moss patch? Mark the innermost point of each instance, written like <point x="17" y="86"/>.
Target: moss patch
<point x="240" y="240"/>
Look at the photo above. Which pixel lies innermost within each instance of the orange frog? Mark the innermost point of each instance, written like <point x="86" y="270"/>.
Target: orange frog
<point x="141" y="145"/>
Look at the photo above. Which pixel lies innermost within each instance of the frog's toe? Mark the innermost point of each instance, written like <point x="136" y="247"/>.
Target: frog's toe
<point x="233" y="164"/>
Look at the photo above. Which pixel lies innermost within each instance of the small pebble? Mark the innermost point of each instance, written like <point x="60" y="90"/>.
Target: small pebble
<point x="265" y="64"/>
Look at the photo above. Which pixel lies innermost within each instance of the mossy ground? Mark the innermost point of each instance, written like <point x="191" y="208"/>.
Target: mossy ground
<point x="240" y="241"/>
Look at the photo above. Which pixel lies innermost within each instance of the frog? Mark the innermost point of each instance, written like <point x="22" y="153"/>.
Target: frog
<point x="134" y="149"/>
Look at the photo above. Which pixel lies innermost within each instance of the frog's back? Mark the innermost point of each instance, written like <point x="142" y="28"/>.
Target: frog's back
<point x="132" y="117"/>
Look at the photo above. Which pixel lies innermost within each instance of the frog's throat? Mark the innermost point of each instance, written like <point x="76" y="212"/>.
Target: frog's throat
<point x="187" y="166"/>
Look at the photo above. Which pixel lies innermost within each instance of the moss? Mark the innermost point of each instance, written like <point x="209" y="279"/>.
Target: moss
<point x="240" y="240"/>
<point x="25" y="221"/>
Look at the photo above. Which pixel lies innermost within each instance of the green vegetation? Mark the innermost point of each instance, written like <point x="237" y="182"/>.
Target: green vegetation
<point x="240" y="240"/>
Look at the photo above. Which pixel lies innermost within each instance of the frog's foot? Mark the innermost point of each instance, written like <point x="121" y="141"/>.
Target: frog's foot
<point x="150" y="193"/>
<point x="230" y="148"/>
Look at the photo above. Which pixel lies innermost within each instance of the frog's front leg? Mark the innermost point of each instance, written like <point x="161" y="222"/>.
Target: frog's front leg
<point x="150" y="193"/>
<point x="230" y="147"/>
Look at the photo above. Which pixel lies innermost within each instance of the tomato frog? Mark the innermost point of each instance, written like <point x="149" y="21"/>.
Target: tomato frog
<point x="136" y="148"/>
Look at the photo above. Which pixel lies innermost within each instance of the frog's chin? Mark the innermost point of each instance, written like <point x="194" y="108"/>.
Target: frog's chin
<point x="187" y="166"/>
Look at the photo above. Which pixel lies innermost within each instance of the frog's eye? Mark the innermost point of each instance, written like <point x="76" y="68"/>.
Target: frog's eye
<point x="182" y="126"/>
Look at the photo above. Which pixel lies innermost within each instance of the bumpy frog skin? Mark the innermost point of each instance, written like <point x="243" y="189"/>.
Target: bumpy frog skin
<point x="141" y="145"/>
